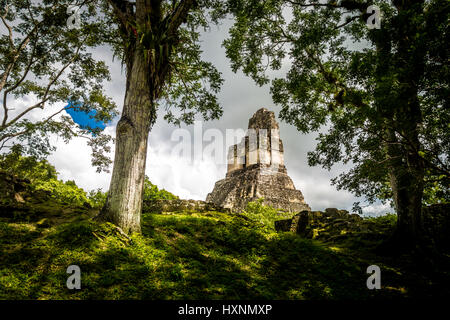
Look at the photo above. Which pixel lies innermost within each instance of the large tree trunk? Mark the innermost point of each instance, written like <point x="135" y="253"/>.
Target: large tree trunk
<point x="406" y="169"/>
<point x="403" y="118"/>
<point x="407" y="186"/>
<point x="124" y="202"/>
<point x="148" y="67"/>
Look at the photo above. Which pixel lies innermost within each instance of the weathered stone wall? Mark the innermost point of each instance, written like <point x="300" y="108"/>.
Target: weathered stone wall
<point x="179" y="205"/>
<point x="18" y="199"/>
<point x="327" y="225"/>
<point x="12" y="188"/>
<point x="334" y="223"/>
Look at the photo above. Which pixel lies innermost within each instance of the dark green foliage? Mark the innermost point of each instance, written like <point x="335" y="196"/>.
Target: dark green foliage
<point x="378" y="97"/>
<point x="27" y="167"/>
<point x="193" y="83"/>
<point x="387" y="220"/>
<point x="46" y="64"/>
<point x="185" y="84"/>
<point x="43" y="179"/>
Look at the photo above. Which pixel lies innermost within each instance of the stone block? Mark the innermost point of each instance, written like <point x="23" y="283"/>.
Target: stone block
<point x="300" y="222"/>
<point x="283" y="225"/>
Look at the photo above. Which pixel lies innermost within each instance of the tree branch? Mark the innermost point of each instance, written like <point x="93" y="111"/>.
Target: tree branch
<point x="17" y="52"/>
<point x="13" y="135"/>
<point x="179" y="15"/>
<point x="122" y="10"/>
<point x="45" y="96"/>
<point x="3" y="17"/>
<point x="349" y="5"/>
<point x="348" y="21"/>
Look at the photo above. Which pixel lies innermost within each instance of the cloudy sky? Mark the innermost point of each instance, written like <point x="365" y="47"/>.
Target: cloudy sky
<point x="239" y="98"/>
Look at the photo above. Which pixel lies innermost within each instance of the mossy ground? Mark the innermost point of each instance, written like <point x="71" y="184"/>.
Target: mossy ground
<point x="209" y="255"/>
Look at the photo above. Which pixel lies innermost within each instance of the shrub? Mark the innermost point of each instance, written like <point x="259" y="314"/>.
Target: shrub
<point x="97" y="198"/>
<point x="63" y="192"/>
<point x="264" y="215"/>
<point x="43" y="176"/>
<point x="151" y="192"/>
<point x="27" y="167"/>
<point x="388" y="219"/>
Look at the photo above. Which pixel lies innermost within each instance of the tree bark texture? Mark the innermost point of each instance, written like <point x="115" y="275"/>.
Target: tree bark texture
<point x="124" y="202"/>
<point x="148" y="67"/>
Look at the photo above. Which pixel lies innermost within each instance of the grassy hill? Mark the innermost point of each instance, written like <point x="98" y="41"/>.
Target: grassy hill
<point x="46" y="225"/>
<point x="195" y="255"/>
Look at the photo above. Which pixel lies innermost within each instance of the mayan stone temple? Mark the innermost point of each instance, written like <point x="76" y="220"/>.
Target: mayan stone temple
<point x="256" y="170"/>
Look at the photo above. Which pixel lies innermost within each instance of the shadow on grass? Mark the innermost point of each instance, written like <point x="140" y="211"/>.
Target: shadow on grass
<point x="183" y="257"/>
<point x="207" y="259"/>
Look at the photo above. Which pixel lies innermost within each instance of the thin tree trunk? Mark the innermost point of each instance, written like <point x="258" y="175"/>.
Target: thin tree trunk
<point x="124" y="202"/>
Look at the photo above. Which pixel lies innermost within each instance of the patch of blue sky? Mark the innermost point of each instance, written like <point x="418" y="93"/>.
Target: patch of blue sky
<point x="86" y="120"/>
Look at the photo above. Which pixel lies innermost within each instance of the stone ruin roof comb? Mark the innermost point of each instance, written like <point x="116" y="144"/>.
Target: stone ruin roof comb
<point x="256" y="170"/>
<point x="263" y="119"/>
